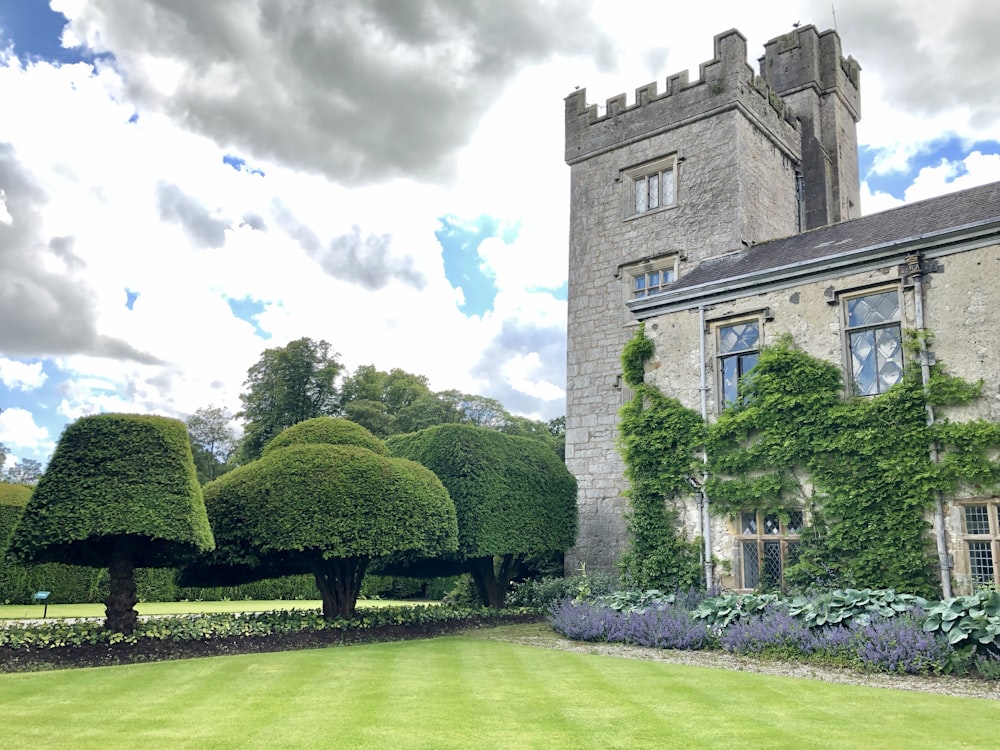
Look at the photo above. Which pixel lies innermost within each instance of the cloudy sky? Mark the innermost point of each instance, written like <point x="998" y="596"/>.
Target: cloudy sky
<point x="186" y="183"/>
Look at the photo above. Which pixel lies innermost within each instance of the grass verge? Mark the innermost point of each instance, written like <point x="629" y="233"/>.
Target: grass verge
<point x="461" y="692"/>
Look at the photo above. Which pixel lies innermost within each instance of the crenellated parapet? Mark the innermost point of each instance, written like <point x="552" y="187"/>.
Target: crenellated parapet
<point x="809" y="59"/>
<point x="725" y="82"/>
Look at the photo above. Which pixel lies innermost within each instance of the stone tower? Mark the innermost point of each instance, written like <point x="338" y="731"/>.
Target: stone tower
<point x="695" y="172"/>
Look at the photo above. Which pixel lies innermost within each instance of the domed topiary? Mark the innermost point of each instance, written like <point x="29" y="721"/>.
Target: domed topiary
<point x="308" y="505"/>
<point x="119" y="492"/>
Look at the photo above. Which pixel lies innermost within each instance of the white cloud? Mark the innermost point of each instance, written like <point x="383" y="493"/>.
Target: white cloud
<point x="19" y="432"/>
<point x="365" y="140"/>
<point x="21" y="375"/>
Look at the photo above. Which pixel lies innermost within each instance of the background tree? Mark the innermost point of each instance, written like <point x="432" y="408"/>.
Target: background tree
<point x="325" y="498"/>
<point x="120" y="492"/>
<point x="26" y="471"/>
<point x="513" y="497"/>
<point x="213" y="441"/>
<point x="288" y="385"/>
<point x="387" y="403"/>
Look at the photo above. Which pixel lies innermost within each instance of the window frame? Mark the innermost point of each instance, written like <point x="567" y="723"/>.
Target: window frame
<point x="666" y="263"/>
<point x="785" y="540"/>
<point x="991" y="538"/>
<point x="849" y="331"/>
<point x="721" y="357"/>
<point x="632" y="177"/>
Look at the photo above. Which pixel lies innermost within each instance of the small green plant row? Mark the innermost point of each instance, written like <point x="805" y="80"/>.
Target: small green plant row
<point x="57" y="634"/>
<point x="972" y="620"/>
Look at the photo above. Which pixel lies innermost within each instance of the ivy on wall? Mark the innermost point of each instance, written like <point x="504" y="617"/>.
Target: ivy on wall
<point x="861" y="465"/>
<point x="659" y="440"/>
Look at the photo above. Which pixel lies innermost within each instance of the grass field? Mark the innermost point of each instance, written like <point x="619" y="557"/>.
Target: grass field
<point x="461" y="692"/>
<point x="35" y="611"/>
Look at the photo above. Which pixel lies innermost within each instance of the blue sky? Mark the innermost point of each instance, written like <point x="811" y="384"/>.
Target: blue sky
<point x="188" y="183"/>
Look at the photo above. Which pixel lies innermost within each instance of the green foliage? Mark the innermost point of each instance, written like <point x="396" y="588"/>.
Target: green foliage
<point x="967" y="620"/>
<point x="638" y="350"/>
<point x="852" y="606"/>
<point x="286" y="386"/>
<point x="324" y="508"/>
<point x="719" y="611"/>
<point x="513" y="497"/>
<point x="59" y="634"/>
<point x="659" y="440"/>
<point x="862" y="465"/>
<point x="116" y="477"/>
<point x="330" y="500"/>
<point x="541" y="593"/>
<point x="512" y="494"/>
<point x="330" y="431"/>
<point x="213" y="441"/>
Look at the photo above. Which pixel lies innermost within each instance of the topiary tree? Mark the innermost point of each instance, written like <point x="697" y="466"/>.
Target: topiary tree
<point x="311" y="506"/>
<point x="513" y="496"/>
<point x="120" y="492"/>
<point x="329" y="431"/>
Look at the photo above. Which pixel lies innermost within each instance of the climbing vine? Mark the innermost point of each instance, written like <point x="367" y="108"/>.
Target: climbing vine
<point x="659" y="440"/>
<point x="861" y="465"/>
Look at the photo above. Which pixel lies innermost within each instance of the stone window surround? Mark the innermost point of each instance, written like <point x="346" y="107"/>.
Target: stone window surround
<point x="759" y="539"/>
<point x="841" y="298"/>
<point x="630" y="175"/>
<point x="713" y="326"/>
<point x="629" y="272"/>
<point x="992" y="539"/>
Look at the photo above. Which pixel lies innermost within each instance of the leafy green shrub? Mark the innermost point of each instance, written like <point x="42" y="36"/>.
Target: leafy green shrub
<point x="58" y="633"/>
<point x="719" y="611"/>
<point x="541" y="594"/>
<point x="972" y="620"/>
<point x="327" y="431"/>
<point x="513" y="496"/>
<point x="852" y="606"/>
<point x="988" y="665"/>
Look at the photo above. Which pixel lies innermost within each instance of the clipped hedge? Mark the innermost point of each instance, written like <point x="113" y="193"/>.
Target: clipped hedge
<point x="116" y="476"/>
<point x="327" y="431"/>
<point x="512" y="494"/>
<point x="61" y="644"/>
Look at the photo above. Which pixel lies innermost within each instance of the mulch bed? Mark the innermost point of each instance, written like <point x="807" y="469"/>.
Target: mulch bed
<point x="147" y="650"/>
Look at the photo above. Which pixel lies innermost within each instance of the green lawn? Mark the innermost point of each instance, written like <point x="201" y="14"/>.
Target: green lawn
<point x="35" y="611"/>
<point x="460" y="692"/>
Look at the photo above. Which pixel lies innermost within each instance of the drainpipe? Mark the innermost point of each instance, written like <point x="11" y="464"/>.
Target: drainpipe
<point x="941" y="539"/>
<point x="706" y="519"/>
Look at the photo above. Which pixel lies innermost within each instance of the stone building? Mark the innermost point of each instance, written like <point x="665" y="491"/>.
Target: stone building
<point x="724" y="212"/>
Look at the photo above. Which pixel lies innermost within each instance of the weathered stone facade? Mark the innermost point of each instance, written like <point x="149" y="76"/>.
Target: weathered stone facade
<point x="749" y="164"/>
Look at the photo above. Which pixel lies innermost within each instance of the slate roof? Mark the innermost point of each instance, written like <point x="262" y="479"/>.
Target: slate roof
<point x="888" y="230"/>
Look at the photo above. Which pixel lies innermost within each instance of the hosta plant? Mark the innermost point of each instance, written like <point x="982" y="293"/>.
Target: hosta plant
<point x="967" y="620"/>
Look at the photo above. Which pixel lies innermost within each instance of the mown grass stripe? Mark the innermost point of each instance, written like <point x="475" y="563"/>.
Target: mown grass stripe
<point x="460" y="692"/>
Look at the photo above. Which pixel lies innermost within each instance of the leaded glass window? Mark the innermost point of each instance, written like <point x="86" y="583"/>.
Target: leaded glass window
<point x="982" y="542"/>
<point x="768" y="544"/>
<point x="875" y="341"/>
<point x="739" y="349"/>
<point x="654" y="190"/>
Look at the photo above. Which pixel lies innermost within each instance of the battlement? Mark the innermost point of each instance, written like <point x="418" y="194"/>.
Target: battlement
<point x="806" y="58"/>
<point x="726" y="81"/>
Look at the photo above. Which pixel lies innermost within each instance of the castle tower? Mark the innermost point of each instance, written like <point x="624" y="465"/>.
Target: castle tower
<point x="700" y="170"/>
<point x="809" y="73"/>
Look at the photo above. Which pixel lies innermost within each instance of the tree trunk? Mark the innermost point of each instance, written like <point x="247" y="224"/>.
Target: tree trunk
<point x="339" y="583"/>
<point x="119" y="610"/>
<point x="492" y="587"/>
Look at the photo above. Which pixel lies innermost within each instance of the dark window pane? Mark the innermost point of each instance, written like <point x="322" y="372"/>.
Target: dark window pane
<point x="981" y="562"/>
<point x="977" y="519"/>
<point x="751" y="565"/>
